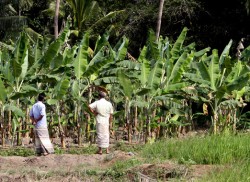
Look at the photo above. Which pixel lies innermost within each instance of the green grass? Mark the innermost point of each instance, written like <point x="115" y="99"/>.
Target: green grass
<point x="229" y="154"/>
<point x="207" y="150"/>
<point x="76" y="150"/>
<point x="17" y="151"/>
<point x="120" y="168"/>
<point x="239" y="172"/>
<point x="25" y="152"/>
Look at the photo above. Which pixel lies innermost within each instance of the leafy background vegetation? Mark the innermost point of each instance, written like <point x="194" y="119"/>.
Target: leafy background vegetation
<point x="187" y="79"/>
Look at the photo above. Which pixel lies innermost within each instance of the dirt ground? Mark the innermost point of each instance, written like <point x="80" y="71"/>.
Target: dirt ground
<point x="93" y="167"/>
<point x="64" y="167"/>
<point x="74" y="168"/>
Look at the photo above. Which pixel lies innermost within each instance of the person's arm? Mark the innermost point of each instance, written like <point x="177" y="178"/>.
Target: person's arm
<point x="39" y="118"/>
<point x="92" y="108"/>
<point x="32" y="117"/>
<point x="34" y="121"/>
<point x="111" y="131"/>
<point x="110" y="120"/>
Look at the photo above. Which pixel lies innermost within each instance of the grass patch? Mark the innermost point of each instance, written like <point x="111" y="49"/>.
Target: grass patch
<point x="127" y="147"/>
<point x="207" y="150"/>
<point x="25" y="152"/>
<point x="17" y="151"/>
<point x="120" y="168"/>
<point x="76" y="150"/>
<point x="230" y="173"/>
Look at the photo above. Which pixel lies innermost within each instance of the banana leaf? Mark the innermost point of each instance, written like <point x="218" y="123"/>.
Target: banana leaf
<point x="81" y="61"/>
<point x="3" y="93"/>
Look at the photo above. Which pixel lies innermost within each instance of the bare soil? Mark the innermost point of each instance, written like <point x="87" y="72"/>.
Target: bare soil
<point x="93" y="167"/>
<point x="68" y="167"/>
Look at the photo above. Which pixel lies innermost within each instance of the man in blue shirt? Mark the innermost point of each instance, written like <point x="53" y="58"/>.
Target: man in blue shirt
<point x="43" y="144"/>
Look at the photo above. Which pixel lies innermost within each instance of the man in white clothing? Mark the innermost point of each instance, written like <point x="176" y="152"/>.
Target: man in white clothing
<point x="103" y="111"/>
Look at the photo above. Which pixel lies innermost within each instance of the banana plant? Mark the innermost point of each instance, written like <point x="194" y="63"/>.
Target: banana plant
<point x="57" y="95"/>
<point x="8" y="107"/>
<point x="218" y="79"/>
<point x="14" y="70"/>
<point x="127" y="91"/>
<point x="162" y="69"/>
<point x="3" y="96"/>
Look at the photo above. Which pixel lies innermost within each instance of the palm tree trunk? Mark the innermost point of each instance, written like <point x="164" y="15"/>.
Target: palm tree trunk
<point x="56" y="18"/>
<point x="158" y="28"/>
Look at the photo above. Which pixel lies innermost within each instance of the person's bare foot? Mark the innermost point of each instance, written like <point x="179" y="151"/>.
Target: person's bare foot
<point x="107" y="151"/>
<point x="99" y="151"/>
<point x="44" y="154"/>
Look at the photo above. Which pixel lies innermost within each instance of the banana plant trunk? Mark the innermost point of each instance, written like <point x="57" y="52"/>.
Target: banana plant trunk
<point x="8" y="133"/>
<point x="2" y="126"/>
<point x="61" y="132"/>
<point x="88" y="117"/>
<point x="234" y="120"/>
<point x="127" y="117"/>
<point x="18" y="129"/>
<point x="78" y="126"/>
<point x="135" y="120"/>
<point x="215" y="118"/>
<point x="147" y="132"/>
<point x="26" y="122"/>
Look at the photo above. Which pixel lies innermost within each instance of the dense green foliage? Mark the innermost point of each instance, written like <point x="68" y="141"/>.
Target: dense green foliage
<point x="211" y="24"/>
<point x="160" y="88"/>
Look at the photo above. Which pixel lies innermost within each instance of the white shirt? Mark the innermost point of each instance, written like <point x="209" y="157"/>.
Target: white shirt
<point x="104" y="108"/>
<point x="36" y="111"/>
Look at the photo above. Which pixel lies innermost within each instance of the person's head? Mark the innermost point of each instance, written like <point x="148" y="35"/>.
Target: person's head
<point x="41" y="97"/>
<point x="102" y="94"/>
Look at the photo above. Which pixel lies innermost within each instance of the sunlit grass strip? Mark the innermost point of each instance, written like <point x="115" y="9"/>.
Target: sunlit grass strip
<point x="208" y="150"/>
<point x="120" y="168"/>
<point x="76" y="150"/>
<point x="17" y="151"/>
<point x="25" y="152"/>
<point x="239" y="172"/>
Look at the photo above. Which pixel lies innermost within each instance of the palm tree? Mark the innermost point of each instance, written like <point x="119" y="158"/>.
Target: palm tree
<point x="11" y="17"/>
<point x="82" y="10"/>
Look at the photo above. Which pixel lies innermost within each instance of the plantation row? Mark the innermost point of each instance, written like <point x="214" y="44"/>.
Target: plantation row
<point x="153" y="95"/>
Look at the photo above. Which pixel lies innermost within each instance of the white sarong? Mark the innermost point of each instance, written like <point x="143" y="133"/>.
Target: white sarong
<point x="104" y="109"/>
<point x="102" y="130"/>
<point x="42" y="141"/>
